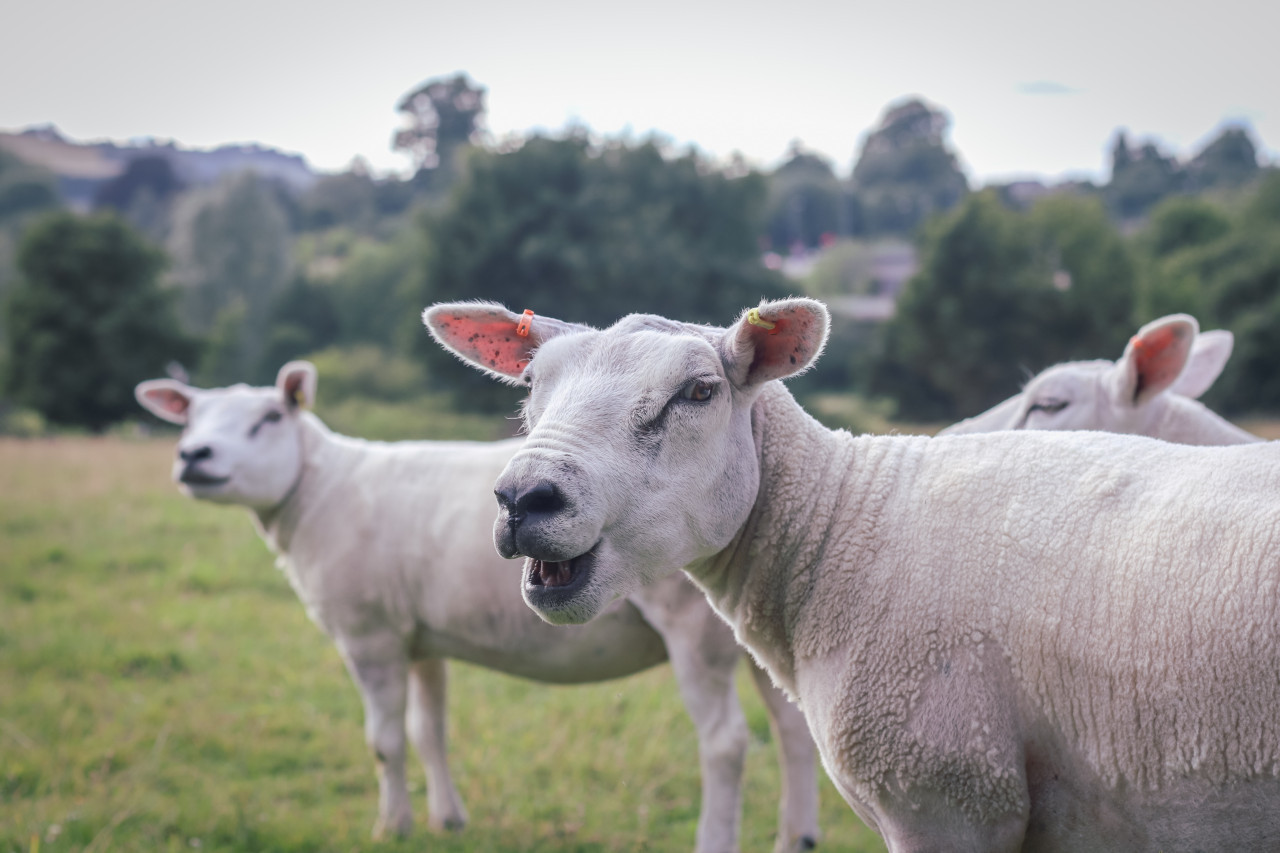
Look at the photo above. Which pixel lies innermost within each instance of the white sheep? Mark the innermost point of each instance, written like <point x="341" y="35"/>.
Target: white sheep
<point x="1017" y="641"/>
<point x="1150" y="390"/>
<point x="388" y="546"/>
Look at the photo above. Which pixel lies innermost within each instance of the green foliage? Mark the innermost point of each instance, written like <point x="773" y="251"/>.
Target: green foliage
<point x="88" y="320"/>
<point x="443" y="116"/>
<point x="303" y="319"/>
<point x="1223" y="266"/>
<point x="232" y="251"/>
<point x="592" y="235"/>
<point x="999" y="294"/>
<point x="906" y="172"/>
<point x="24" y="189"/>
<point x="1229" y="161"/>
<point x="163" y="689"/>
<point x="806" y="202"/>
<point x="1140" y="178"/>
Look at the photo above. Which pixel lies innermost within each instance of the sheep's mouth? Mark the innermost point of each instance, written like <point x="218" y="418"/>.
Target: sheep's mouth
<point x="196" y="477"/>
<point x="558" y="578"/>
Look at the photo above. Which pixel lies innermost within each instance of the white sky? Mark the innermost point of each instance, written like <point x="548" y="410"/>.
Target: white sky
<point x="1032" y="88"/>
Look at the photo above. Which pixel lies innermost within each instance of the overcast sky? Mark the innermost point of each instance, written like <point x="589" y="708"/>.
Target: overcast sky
<point x="1032" y="89"/>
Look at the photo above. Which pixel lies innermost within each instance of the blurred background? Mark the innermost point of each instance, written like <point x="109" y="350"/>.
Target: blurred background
<point x="205" y="191"/>
<point x="975" y="194"/>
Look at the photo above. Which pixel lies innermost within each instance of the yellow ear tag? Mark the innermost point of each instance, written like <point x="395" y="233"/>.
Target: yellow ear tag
<point x="754" y="318"/>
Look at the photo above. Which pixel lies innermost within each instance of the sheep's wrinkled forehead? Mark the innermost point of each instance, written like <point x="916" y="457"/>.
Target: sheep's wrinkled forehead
<point x="1069" y="374"/>
<point x="228" y="405"/>
<point x="640" y="351"/>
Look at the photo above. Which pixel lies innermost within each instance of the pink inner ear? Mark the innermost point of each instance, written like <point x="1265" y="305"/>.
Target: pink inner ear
<point x="489" y="339"/>
<point x="784" y="348"/>
<point x="169" y="400"/>
<point x="1160" y="356"/>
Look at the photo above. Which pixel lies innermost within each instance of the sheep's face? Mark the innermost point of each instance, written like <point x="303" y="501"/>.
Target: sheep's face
<point x="640" y="458"/>
<point x="1129" y="395"/>
<point x="239" y="445"/>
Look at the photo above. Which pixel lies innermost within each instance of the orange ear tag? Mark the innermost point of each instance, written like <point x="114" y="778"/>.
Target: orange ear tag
<point x="526" y="323"/>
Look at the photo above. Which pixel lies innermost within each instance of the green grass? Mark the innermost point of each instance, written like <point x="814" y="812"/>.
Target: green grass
<point x="161" y="689"/>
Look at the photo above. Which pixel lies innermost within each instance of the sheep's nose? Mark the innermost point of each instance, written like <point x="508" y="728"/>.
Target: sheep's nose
<point x="191" y="456"/>
<point x="543" y="499"/>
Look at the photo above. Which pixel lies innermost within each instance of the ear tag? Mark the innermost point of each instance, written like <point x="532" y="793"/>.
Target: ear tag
<point x="526" y="323"/>
<point x="754" y="318"/>
<point x="1137" y="342"/>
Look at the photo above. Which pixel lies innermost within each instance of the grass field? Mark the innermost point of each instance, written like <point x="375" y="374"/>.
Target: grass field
<point x="161" y="689"/>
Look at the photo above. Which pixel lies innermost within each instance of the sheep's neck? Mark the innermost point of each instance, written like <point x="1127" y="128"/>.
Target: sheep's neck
<point x="813" y="509"/>
<point x="1184" y="421"/>
<point x="277" y="524"/>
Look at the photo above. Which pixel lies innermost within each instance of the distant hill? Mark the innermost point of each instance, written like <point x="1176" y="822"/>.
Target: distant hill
<point x="81" y="166"/>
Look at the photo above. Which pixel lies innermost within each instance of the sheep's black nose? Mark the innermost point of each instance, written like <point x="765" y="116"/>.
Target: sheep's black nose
<point x="190" y="456"/>
<point x="543" y="499"/>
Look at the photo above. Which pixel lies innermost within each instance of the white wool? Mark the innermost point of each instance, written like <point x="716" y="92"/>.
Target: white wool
<point x="1119" y="591"/>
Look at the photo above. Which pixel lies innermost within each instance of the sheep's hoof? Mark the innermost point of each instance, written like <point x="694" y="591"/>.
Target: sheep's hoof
<point x="452" y="823"/>
<point x="399" y="827"/>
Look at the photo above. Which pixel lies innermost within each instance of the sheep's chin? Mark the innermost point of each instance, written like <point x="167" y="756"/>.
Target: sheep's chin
<point x="562" y="592"/>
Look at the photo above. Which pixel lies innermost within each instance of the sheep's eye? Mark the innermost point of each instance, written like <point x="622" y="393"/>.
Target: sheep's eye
<point x="697" y="390"/>
<point x="1049" y="407"/>
<point x="269" y="418"/>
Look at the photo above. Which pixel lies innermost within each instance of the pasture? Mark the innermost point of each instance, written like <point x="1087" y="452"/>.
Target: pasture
<point x="162" y="689"/>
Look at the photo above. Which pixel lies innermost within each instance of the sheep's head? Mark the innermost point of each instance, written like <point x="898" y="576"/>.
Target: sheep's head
<point x="239" y="445"/>
<point x="1166" y="356"/>
<point x="640" y="458"/>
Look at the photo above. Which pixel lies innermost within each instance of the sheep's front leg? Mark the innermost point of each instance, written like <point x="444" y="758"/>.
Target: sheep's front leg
<point x="798" y="757"/>
<point x="704" y="656"/>
<point x="428" y="696"/>
<point x="380" y="669"/>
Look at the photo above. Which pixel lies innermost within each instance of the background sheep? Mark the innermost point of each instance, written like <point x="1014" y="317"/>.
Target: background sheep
<point x="1150" y="390"/>
<point x="1016" y="641"/>
<point x="387" y="545"/>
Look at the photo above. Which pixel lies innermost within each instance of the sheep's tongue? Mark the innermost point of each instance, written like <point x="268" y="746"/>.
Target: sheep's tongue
<point x="555" y="574"/>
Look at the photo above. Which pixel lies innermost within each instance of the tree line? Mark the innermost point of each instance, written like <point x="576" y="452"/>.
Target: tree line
<point x="224" y="282"/>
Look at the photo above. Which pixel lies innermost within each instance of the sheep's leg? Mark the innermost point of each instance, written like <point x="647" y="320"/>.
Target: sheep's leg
<point x="797" y="755"/>
<point x="382" y="676"/>
<point x="427" y="708"/>
<point x="704" y="656"/>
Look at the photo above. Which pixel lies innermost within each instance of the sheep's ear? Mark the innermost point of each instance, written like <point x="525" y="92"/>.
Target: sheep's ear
<point x="1154" y="359"/>
<point x="774" y="340"/>
<point x="488" y="336"/>
<point x="297" y="381"/>
<point x="167" y="399"/>
<point x="1209" y="355"/>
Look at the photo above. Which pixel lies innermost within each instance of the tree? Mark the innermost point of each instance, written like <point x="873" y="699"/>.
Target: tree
<point x="806" y="202"/>
<point x="1229" y="161"/>
<point x="88" y="320"/>
<point x="144" y="194"/>
<point x="443" y="116"/>
<point x="1140" y="178"/>
<point x="906" y="172"/>
<point x="233" y="253"/>
<point x="1000" y="294"/>
<point x="594" y="234"/>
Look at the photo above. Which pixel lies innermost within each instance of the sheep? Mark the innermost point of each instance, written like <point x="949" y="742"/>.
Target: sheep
<point x="1023" y="640"/>
<point x="387" y="546"/>
<point x="1150" y="390"/>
